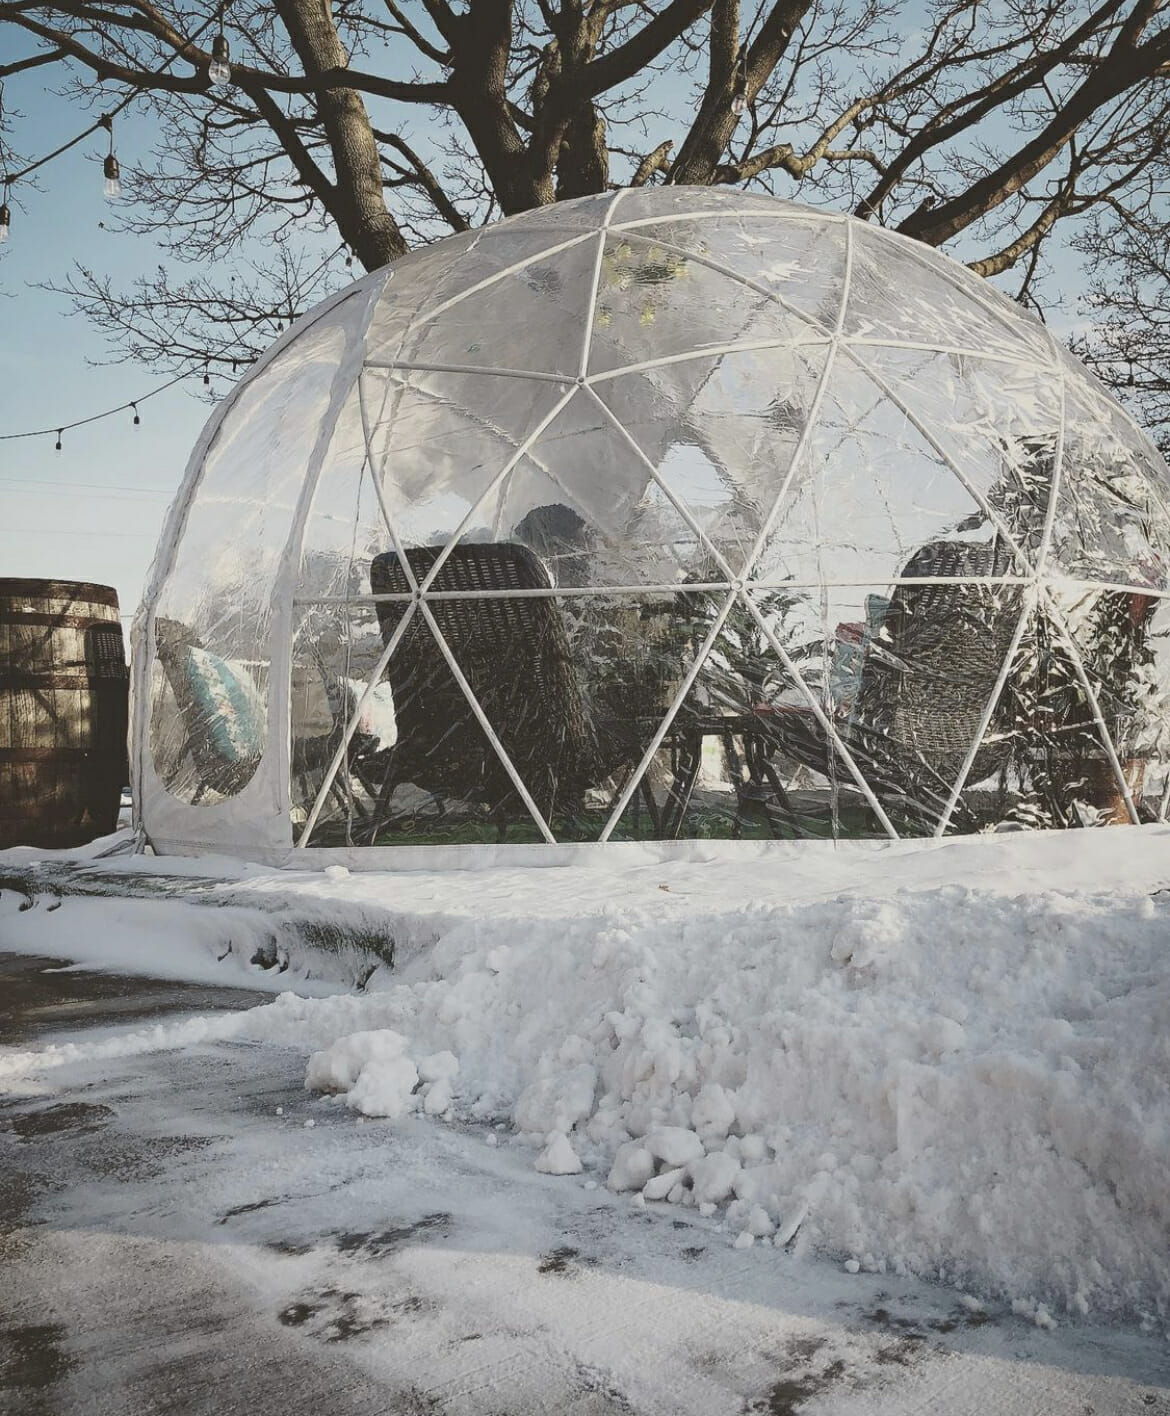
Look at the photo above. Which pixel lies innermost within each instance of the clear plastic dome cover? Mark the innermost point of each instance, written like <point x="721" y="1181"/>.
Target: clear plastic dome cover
<point x="667" y="514"/>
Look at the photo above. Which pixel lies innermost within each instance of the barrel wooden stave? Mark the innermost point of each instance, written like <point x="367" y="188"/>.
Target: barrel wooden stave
<point x="63" y="712"/>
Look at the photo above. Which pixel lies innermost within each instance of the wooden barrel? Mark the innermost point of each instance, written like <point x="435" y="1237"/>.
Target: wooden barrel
<point x="64" y="689"/>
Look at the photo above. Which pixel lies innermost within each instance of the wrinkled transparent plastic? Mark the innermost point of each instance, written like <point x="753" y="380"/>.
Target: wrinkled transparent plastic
<point x="672" y="514"/>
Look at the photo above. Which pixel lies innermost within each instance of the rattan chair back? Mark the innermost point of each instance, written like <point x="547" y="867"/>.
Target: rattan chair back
<point x="928" y="676"/>
<point x="515" y="656"/>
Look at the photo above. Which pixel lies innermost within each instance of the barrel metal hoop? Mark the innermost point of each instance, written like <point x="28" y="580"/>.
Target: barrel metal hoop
<point x="72" y="590"/>
<point x="42" y="754"/>
<point x="49" y="617"/>
<point x="42" y="681"/>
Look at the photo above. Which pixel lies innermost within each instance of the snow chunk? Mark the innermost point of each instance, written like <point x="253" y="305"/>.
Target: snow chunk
<point x="752" y="1149"/>
<point x="673" y="1145"/>
<point x="558" y="1156"/>
<point x="1037" y="1312"/>
<point x="714" y="1177"/>
<point x="339" y="1066"/>
<point x="661" y="1185"/>
<point x="632" y="1167"/>
<point x="370" y="1069"/>
<point x="791" y="1223"/>
<point x="713" y="1112"/>
<point x="438" y="1067"/>
<point x="437" y="1101"/>
<point x="759" y="1222"/>
<point x="556" y="1103"/>
<point x="386" y="1089"/>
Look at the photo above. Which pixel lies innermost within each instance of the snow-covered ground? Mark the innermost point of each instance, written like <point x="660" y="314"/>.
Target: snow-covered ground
<point x="949" y="1061"/>
<point x="191" y="1231"/>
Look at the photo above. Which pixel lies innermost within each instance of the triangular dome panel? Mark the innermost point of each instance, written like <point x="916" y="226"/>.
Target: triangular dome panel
<point x="897" y="295"/>
<point x="471" y="314"/>
<point x="584" y="499"/>
<point x="658" y="299"/>
<point x="997" y="425"/>
<point x="439" y="445"/>
<point x="1068" y="720"/>
<point x="1112" y="516"/>
<point x="869" y="491"/>
<point x="444" y="778"/>
<point x="696" y="203"/>
<point x="722" y="433"/>
<point x="796" y="258"/>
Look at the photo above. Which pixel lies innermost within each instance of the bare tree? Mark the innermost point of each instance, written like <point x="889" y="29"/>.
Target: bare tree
<point x="370" y="126"/>
<point x="1128" y="341"/>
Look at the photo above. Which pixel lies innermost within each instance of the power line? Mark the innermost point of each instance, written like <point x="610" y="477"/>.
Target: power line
<point x="35" y="484"/>
<point x="96" y="535"/>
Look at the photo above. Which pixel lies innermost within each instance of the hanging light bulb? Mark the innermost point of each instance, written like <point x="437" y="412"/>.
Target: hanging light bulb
<point x="137" y="419"/>
<point x="5" y="220"/>
<point x="58" y="448"/>
<point x="113" y="182"/>
<point x="219" y="71"/>
<point x="739" y="88"/>
<point x="206" y="374"/>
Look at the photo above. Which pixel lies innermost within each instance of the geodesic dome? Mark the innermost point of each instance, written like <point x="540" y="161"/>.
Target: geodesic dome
<point x="666" y="514"/>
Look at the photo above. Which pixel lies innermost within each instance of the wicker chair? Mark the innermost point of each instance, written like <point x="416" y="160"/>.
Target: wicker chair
<point x="940" y="652"/>
<point x="925" y="682"/>
<point x="515" y="656"/>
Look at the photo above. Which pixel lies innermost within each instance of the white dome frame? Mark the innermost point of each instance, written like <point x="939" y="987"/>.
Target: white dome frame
<point x="256" y="823"/>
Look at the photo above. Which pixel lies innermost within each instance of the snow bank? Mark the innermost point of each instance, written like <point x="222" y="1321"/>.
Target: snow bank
<point x="971" y="1085"/>
<point x="952" y="1084"/>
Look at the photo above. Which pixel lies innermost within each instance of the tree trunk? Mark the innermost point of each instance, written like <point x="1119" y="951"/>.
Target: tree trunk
<point x="356" y="199"/>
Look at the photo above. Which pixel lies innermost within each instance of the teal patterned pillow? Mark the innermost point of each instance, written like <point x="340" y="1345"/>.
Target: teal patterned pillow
<point x="230" y="706"/>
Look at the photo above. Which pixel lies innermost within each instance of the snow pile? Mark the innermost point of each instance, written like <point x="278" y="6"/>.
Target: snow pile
<point x="949" y="1083"/>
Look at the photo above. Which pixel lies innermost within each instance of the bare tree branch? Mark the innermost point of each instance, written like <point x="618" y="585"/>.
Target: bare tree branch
<point x="653" y="162"/>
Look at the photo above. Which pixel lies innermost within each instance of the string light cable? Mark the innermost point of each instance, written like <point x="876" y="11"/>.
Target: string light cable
<point x="112" y="184"/>
<point x="219" y="76"/>
<point x="131" y="406"/>
<point x="202" y="370"/>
